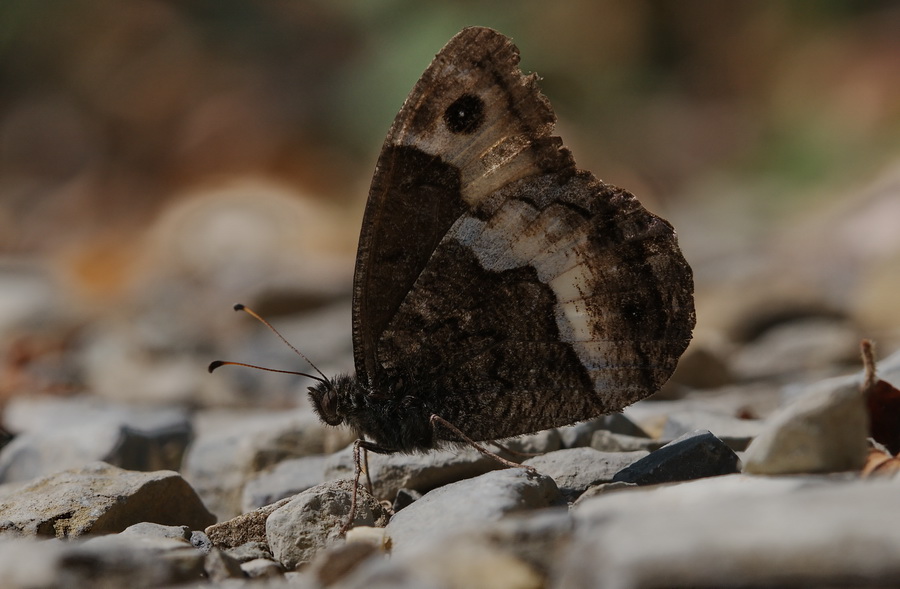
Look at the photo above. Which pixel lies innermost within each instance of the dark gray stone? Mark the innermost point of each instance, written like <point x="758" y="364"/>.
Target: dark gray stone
<point x="404" y="498"/>
<point x="692" y="456"/>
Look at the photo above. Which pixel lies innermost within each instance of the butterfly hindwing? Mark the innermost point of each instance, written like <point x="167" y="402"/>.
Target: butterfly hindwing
<point x="555" y="304"/>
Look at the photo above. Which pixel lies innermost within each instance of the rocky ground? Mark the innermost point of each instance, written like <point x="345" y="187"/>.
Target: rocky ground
<point x="767" y="460"/>
<point x="744" y="485"/>
<point x="160" y="162"/>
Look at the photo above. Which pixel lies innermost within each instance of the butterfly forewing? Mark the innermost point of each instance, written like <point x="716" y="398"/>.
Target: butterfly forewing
<point x="441" y="154"/>
<point x="583" y="327"/>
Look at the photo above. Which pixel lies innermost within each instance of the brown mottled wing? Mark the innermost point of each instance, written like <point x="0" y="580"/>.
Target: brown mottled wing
<point x="558" y="299"/>
<point x="508" y="291"/>
<point x="427" y="176"/>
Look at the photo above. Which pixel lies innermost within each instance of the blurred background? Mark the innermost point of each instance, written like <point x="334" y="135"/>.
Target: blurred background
<point x="160" y="161"/>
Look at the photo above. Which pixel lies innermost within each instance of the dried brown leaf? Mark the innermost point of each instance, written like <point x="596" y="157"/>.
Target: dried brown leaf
<point x="883" y="404"/>
<point x="880" y="463"/>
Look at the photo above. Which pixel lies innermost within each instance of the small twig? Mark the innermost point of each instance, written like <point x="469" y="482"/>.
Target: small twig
<point x="867" y="348"/>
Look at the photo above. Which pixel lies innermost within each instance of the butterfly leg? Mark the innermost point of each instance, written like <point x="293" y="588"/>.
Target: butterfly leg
<point x="365" y="467"/>
<point x="365" y="446"/>
<point x="438" y="420"/>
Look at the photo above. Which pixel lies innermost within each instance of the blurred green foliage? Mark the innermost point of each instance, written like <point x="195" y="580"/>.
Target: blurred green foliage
<point x="145" y="97"/>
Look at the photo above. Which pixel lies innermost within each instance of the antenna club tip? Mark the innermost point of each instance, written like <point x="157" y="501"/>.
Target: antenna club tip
<point x="215" y="364"/>
<point x="239" y="307"/>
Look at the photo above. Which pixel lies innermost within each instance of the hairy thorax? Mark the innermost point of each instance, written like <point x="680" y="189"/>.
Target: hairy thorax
<point x="392" y="419"/>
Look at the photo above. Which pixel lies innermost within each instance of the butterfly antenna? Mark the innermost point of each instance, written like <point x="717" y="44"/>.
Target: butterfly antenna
<point x="255" y="315"/>
<point x="218" y="363"/>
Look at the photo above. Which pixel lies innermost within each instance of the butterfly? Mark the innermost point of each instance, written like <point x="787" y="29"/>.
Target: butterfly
<point x="498" y="289"/>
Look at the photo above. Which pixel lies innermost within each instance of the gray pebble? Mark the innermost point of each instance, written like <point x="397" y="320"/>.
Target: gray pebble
<point x="234" y="447"/>
<point x="219" y="566"/>
<point x="812" y="530"/>
<point x="312" y="520"/>
<point x="824" y="430"/>
<point x="422" y="472"/>
<point x="56" y="434"/>
<point x="606" y="441"/>
<point x="151" y="530"/>
<point x="247" y="527"/>
<point x="250" y="551"/>
<point x="285" y="479"/>
<point x="262" y="568"/>
<point x="100" y="498"/>
<point x="470" y="503"/>
<point x="576" y="469"/>
<point x="580" y="434"/>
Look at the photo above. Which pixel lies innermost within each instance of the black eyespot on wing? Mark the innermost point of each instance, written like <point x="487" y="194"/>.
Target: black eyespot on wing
<point x="632" y="310"/>
<point x="465" y="115"/>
